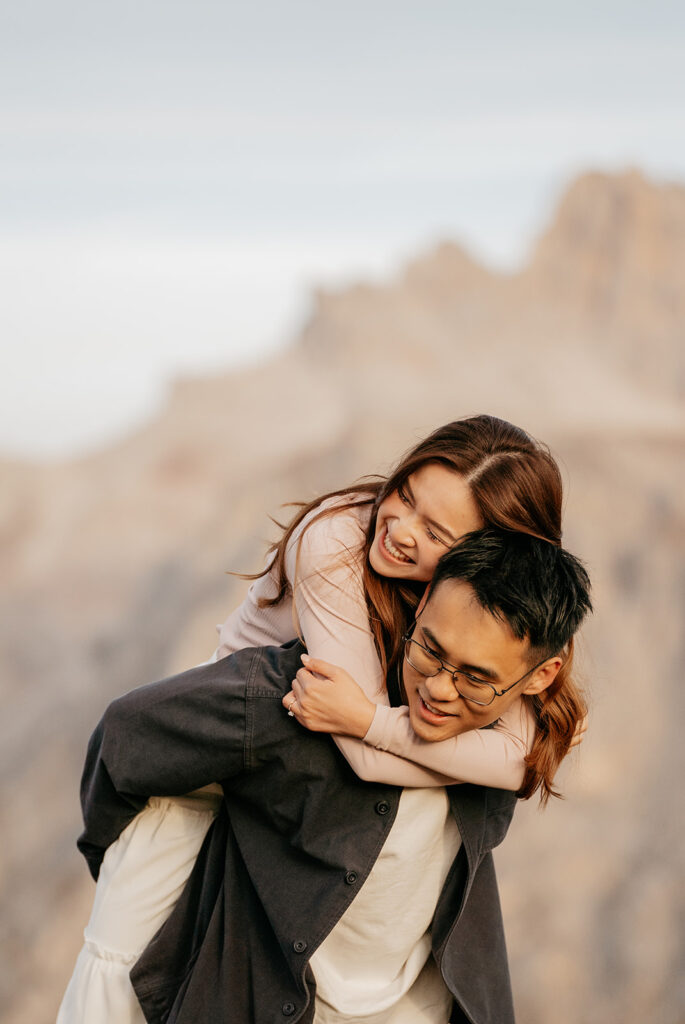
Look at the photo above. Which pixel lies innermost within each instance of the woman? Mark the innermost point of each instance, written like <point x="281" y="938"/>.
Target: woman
<point x="347" y="575"/>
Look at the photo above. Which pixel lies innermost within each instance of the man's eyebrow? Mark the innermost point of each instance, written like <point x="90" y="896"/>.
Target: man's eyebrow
<point x="477" y="670"/>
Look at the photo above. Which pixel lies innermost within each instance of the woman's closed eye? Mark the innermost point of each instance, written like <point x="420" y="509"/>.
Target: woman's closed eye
<point x="434" y="537"/>
<point x="408" y="500"/>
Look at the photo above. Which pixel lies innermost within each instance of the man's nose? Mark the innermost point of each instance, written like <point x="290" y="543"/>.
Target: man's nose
<point x="442" y="686"/>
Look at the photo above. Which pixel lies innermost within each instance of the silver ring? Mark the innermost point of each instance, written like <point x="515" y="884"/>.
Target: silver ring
<point x="293" y="702"/>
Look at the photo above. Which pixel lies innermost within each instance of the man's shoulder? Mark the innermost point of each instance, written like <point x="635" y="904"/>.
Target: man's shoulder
<point x="252" y="671"/>
<point x="483" y="813"/>
<point x="270" y="670"/>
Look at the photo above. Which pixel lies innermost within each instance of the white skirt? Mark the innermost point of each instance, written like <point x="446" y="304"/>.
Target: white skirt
<point x="142" y="876"/>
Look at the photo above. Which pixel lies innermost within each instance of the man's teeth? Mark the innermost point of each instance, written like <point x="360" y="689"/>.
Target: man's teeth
<point x="434" y="710"/>
<point x="390" y="547"/>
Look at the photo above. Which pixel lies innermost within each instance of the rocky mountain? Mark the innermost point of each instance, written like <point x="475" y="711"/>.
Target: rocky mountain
<point x="114" y="574"/>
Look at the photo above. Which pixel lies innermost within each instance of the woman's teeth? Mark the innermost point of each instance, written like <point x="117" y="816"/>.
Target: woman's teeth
<point x="392" y="550"/>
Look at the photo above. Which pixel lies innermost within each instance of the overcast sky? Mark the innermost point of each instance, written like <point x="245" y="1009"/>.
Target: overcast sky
<point x="176" y="176"/>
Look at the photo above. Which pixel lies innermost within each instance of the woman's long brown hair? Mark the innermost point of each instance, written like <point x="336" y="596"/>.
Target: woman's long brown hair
<point x="516" y="485"/>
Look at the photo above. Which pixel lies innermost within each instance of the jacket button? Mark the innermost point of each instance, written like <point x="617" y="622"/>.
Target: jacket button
<point x="299" y="945"/>
<point x="288" y="1009"/>
<point x="351" y="877"/>
<point x="382" y="807"/>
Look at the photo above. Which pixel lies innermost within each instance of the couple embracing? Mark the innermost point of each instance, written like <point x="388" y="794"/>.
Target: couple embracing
<point x="252" y="870"/>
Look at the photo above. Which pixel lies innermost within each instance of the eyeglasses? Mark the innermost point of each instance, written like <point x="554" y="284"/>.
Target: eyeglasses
<point x="467" y="686"/>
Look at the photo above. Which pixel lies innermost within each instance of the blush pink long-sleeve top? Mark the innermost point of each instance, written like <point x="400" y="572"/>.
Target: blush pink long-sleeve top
<point x="326" y="606"/>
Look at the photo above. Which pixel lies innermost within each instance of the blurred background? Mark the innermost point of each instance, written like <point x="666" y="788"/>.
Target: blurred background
<point x="249" y="253"/>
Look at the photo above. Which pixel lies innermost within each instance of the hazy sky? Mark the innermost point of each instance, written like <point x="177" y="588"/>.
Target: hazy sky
<point x="175" y="176"/>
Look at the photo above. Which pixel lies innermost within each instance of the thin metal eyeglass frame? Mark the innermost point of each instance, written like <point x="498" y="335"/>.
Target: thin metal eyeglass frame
<point x="456" y="672"/>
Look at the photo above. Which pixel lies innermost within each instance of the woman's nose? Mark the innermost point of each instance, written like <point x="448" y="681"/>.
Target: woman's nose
<point x="404" y="528"/>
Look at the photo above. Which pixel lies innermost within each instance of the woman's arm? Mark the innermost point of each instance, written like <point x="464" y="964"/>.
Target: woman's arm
<point x="327" y="699"/>
<point x="333" y="620"/>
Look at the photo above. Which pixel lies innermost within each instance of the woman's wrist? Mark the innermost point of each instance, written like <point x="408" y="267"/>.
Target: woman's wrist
<point x="363" y="717"/>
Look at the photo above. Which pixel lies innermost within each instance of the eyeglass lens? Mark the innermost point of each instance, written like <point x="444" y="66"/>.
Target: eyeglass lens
<point x="430" y="665"/>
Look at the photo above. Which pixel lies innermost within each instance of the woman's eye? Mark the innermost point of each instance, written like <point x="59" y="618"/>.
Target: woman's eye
<point x="434" y="537"/>
<point x="402" y="495"/>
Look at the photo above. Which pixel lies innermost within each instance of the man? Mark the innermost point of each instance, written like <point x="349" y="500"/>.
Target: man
<point x="317" y="896"/>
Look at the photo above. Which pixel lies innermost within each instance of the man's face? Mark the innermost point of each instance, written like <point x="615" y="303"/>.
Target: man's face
<point x="455" y="627"/>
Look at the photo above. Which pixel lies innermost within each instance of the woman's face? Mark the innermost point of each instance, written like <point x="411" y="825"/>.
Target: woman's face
<point x="419" y="522"/>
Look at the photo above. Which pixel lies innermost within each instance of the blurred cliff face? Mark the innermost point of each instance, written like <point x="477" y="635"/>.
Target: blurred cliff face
<point x="114" y="575"/>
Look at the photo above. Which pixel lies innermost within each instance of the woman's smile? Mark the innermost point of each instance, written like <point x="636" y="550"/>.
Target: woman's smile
<point x="388" y="548"/>
<point x="419" y="521"/>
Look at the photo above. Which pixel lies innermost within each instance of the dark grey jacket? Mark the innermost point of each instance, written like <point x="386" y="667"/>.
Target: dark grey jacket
<point x="296" y="837"/>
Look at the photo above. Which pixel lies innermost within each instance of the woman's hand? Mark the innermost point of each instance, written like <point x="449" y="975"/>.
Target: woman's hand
<point x="325" y="698"/>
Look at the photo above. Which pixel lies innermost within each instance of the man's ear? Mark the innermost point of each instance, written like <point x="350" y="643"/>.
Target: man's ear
<point x="544" y="676"/>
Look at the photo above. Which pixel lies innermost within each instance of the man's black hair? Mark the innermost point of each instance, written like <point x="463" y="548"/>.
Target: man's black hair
<point x="541" y="590"/>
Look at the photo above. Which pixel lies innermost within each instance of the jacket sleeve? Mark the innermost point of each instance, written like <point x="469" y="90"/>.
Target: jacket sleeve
<point x="164" y="739"/>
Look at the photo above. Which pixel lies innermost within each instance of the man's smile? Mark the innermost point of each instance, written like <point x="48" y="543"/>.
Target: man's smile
<point x="427" y="709"/>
